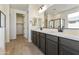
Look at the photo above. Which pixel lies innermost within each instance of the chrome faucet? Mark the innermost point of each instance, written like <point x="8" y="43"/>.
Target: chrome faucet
<point x="41" y="28"/>
<point x="60" y="29"/>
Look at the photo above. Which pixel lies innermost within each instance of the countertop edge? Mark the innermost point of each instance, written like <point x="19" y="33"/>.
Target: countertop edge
<point x="59" y="34"/>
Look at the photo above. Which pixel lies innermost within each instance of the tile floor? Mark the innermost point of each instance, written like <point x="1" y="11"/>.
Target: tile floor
<point x="21" y="46"/>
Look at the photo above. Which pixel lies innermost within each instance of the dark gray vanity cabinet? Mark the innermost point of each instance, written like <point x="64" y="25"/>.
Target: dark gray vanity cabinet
<point x="64" y="50"/>
<point x="51" y="45"/>
<point x="42" y="42"/>
<point x="38" y="40"/>
<point x="54" y="45"/>
<point x="68" y="46"/>
<point x="34" y="35"/>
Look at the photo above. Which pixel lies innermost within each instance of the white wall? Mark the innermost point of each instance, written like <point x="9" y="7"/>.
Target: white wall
<point x="13" y="23"/>
<point x="3" y="39"/>
<point x="5" y="9"/>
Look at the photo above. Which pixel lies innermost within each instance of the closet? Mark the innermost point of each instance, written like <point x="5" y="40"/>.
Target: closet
<point x="19" y="24"/>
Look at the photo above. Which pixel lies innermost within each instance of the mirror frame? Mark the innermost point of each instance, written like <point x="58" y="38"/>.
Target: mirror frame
<point x="59" y="22"/>
<point x="0" y="18"/>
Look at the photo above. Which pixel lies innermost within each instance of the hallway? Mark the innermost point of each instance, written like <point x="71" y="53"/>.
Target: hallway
<point x="21" y="46"/>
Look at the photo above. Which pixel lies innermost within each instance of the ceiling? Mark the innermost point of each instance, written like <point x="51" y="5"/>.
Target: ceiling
<point x="25" y="6"/>
<point x="57" y="8"/>
<point x="19" y="6"/>
<point x="40" y="5"/>
<point x="53" y="9"/>
<point x="37" y="6"/>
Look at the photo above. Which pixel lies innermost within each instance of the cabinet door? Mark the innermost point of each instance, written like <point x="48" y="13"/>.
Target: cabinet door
<point x="52" y="38"/>
<point x="38" y="40"/>
<point x="64" y="50"/>
<point x="68" y="46"/>
<point x="42" y="44"/>
<point x="34" y="37"/>
<point x="51" y="47"/>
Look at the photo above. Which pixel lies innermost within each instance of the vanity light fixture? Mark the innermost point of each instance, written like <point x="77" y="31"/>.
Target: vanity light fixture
<point x="42" y="8"/>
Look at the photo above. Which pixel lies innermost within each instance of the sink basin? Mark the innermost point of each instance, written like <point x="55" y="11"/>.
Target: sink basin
<point x="50" y="30"/>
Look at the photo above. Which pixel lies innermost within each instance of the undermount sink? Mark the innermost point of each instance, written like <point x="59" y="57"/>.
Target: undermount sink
<point x="50" y="30"/>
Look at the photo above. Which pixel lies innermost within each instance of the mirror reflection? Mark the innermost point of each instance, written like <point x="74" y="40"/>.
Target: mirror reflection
<point x="56" y="15"/>
<point x="68" y="15"/>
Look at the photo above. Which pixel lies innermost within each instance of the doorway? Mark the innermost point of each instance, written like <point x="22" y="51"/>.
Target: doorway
<point x="19" y="24"/>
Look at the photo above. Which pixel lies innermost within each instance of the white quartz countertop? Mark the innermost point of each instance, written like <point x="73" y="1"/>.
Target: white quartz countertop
<point x="56" y="33"/>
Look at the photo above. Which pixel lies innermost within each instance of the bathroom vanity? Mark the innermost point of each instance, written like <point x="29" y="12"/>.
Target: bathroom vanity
<point x="55" y="43"/>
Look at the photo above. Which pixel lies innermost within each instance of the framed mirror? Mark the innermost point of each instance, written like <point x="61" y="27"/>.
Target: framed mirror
<point x="51" y="24"/>
<point x="57" y="23"/>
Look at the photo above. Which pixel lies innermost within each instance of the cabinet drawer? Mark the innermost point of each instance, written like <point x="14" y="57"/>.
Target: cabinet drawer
<point x="51" y="37"/>
<point x="51" y="43"/>
<point x="51" y="47"/>
<point x="70" y="43"/>
<point x="65" y="50"/>
<point x="42" y="44"/>
<point x="38" y="40"/>
<point x="38" y="33"/>
<point x="42" y="35"/>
